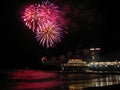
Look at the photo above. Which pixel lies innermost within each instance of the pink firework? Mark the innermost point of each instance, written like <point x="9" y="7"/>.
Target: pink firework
<point x="38" y="14"/>
<point x="49" y="12"/>
<point x="49" y="35"/>
<point x="31" y="16"/>
<point x="45" y="20"/>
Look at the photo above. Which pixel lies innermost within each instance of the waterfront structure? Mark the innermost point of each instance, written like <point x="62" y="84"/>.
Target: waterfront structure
<point x="74" y="65"/>
<point x="112" y="66"/>
<point x="93" y="66"/>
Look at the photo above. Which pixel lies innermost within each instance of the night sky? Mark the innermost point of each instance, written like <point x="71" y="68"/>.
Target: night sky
<point x="90" y="23"/>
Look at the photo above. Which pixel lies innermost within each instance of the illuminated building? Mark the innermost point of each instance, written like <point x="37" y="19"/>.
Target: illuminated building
<point x="94" y="65"/>
<point x="80" y="65"/>
<point x="74" y="65"/>
<point x="113" y="66"/>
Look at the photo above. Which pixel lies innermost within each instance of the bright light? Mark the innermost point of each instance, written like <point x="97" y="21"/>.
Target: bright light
<point x="45" y="20"/>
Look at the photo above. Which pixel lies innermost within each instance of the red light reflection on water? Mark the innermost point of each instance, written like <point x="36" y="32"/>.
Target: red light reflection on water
<point x="32" y="75"/>
<point x="33" y="79"/>
<point x="36" y="85"/>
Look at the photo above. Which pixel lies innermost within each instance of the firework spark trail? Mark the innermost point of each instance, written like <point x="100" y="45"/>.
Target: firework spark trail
<point x="44" y="20"/>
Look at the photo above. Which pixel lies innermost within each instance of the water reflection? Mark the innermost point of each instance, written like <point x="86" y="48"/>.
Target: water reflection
<point x="44" y="85"/>
<point x="97" y="82"/>
<point x="42" y="80"/>
<point x="31" y="75"/>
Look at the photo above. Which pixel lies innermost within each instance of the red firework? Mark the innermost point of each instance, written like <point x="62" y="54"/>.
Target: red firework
<point x="36" y="15"/>
<point x="44" y="19"/>
<point x="31" y="17"/>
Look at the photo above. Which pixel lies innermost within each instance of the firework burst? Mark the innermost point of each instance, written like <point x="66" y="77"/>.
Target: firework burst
<point x="44" y="20"/>
<point x="31" y="16"/>
<point x="49" y="35"/>
<point x="49" y="12"/>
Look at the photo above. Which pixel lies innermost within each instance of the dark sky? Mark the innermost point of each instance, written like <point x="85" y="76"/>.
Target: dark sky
<point x="90" y="23"/>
